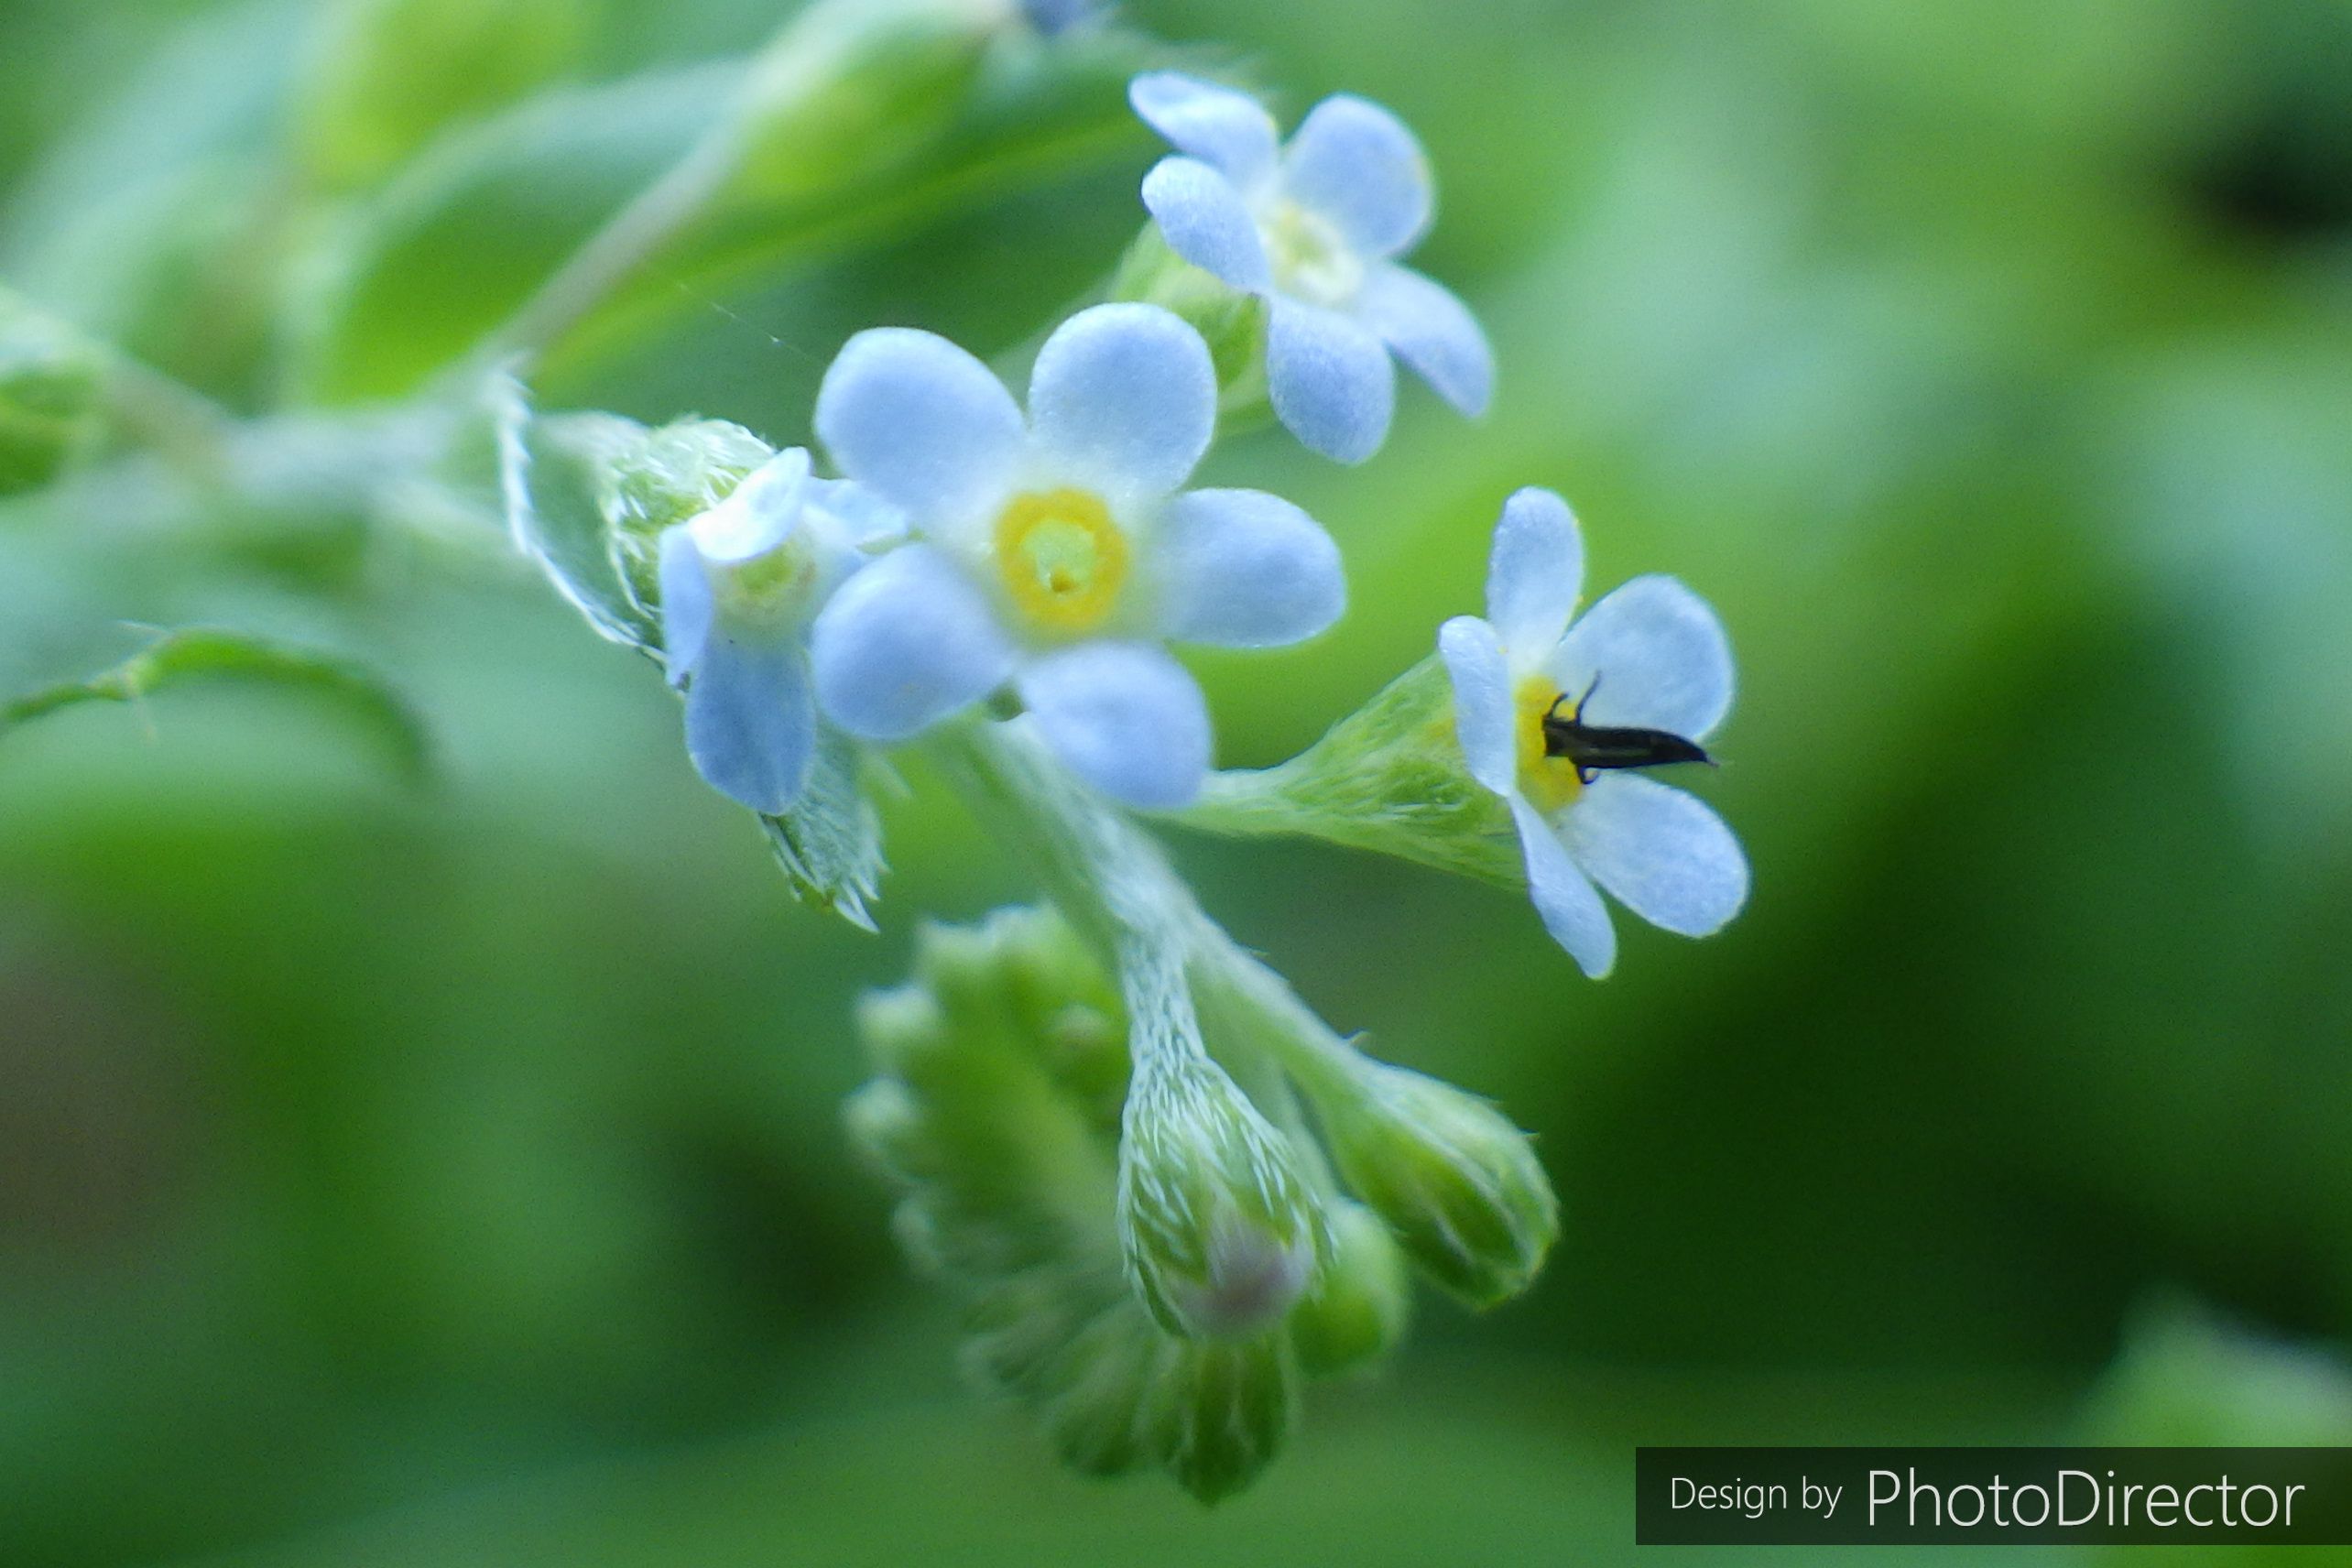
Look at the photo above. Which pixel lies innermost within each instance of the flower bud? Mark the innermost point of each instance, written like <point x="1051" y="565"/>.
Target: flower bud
<point x="1221" y="1411"/>
<point x="1456" y="1181"/>
<point x="52" y="392"/>
<point x="1358" y="1310"/>
<point x="1219" y="1231"/>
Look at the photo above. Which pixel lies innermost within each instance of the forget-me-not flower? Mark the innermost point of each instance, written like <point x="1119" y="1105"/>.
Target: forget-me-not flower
<point x="1055" y="549"/>
<point x="1649" y="656"/>
<point x="741" y="584"/>
<point x="1315" y="228"/>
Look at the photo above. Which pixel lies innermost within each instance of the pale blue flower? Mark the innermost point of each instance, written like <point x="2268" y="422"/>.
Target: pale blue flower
<point x="1054" y="550"/>
<point x="741" y="584"/>
<point x="1315" y="228"/>
<point x="1649" y="656"/>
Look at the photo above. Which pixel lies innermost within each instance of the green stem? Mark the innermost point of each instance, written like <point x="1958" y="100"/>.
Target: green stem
<point x="1115" y="885"/>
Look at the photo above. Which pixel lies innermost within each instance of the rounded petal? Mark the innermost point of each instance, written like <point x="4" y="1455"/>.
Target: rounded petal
<point x="1330" y="380"/>
<point x="1243" y="568"/>
<point x="1127" y="395"/>
<point x="758" y="513"/>
<point x="1659" y="655"/>
<point x="751" y="725"/>
<point x="1660" y="853"/>
<point x="1357" y="165"/>
<point x="1126" y="718"/>
<point x="920" y="421"/>
<point x="1206" y="221"/>
<point x="687" y="603"/>
<point x="1534" y="575"/>
<point x="905" y="641"/>
<point x="1572" y="911"/>
<point x="1229" y="131"/>
<point x="1482" y="707"/>
<point x="1432" y="331"/>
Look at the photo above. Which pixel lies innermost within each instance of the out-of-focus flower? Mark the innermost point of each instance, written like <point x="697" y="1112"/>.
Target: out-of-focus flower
<point x="1315" y="228"/>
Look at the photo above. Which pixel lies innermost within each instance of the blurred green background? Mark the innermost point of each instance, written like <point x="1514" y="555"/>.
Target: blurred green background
<point x="451" y="1175"/>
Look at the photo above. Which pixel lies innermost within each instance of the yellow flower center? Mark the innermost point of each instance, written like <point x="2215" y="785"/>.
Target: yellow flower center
<point x="1548" y="782"/>
<point x="1063" y="559"/>
<point x="1311" y="260"/>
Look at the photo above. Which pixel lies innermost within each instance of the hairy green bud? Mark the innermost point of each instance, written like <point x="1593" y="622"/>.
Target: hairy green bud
<point x="1231" y="322"/>
<point x="1456" y="1181"/>
<point x="1220" y="1232"/>
<point x="1362" y="1301"/>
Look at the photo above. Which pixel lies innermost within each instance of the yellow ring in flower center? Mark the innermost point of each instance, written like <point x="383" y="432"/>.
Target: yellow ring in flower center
<point x="1063" y="559"/>
<point x="1548" y="782"/>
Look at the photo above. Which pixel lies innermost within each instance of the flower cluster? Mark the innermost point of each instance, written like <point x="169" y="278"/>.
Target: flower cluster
<point x="1168" y="1190"/>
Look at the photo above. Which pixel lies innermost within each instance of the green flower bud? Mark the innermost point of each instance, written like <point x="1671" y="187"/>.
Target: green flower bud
<point x="1232" y="322"/>
<point x="1357" y="1312"/>
<point x="52" y="392"/>
<point x="1388" y="777"/>
<point x="1220" y="1233"/>
<point x="1456" y="1181"/>
<point x="649" y="480"/>
<point x="1221" y="1411"/>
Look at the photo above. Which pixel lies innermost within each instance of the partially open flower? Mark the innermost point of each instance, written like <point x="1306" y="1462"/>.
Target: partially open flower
<point x="1056" y="552"/>
<point x="1645" y="667"/>
<point x="741" y="586"/>
<point x="1315" y="228"/>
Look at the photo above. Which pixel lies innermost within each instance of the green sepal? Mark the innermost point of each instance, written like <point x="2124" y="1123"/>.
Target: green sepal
<point x="1388" y="777"/>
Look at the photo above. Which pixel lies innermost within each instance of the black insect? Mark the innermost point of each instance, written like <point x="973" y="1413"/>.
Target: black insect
<point x="1592" y="748"/>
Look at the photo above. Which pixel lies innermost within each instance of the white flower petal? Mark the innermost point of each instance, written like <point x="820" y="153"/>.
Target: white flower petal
<point x="1485" y="712"/>
<point x="1572" y="911"/>
<point x="1356" y="164"/>
<point x="1126" y="394"/>
<point x="906" y="641"/>
<point x="1432" y="331"/>
<point x="1126" y="718"/>
<point x="751" y="725"/>
<point x="1534" y="575"/>
<point x="1229" y="131"/>
<point x="758" y="513"/>
<point x="1206" y="221"/>
<point x="920" y="421"/>
<point x="1663" y="853"/>
<point x="1243" y="568"/>
<point x="1330" y="380"/>
<point x="1659" y="654"/>
<point x="687" y="603"/>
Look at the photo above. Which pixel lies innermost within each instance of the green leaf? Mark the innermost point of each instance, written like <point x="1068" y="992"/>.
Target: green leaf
<point x="556" y="477"/>
<point x="387" y="74"/>
<point x="830" y="843"/>
<point x="198" y="651"/>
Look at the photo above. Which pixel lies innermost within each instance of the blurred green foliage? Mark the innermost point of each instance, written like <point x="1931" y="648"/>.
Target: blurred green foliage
<point x="454" y="1175"/>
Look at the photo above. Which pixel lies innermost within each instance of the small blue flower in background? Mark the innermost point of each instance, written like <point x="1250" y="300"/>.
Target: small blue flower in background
<point x="1315" y="228"/>
<point x="1650" y="654"/>
<point x="1055" y="552"/>
<point x="741" y="584"/>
